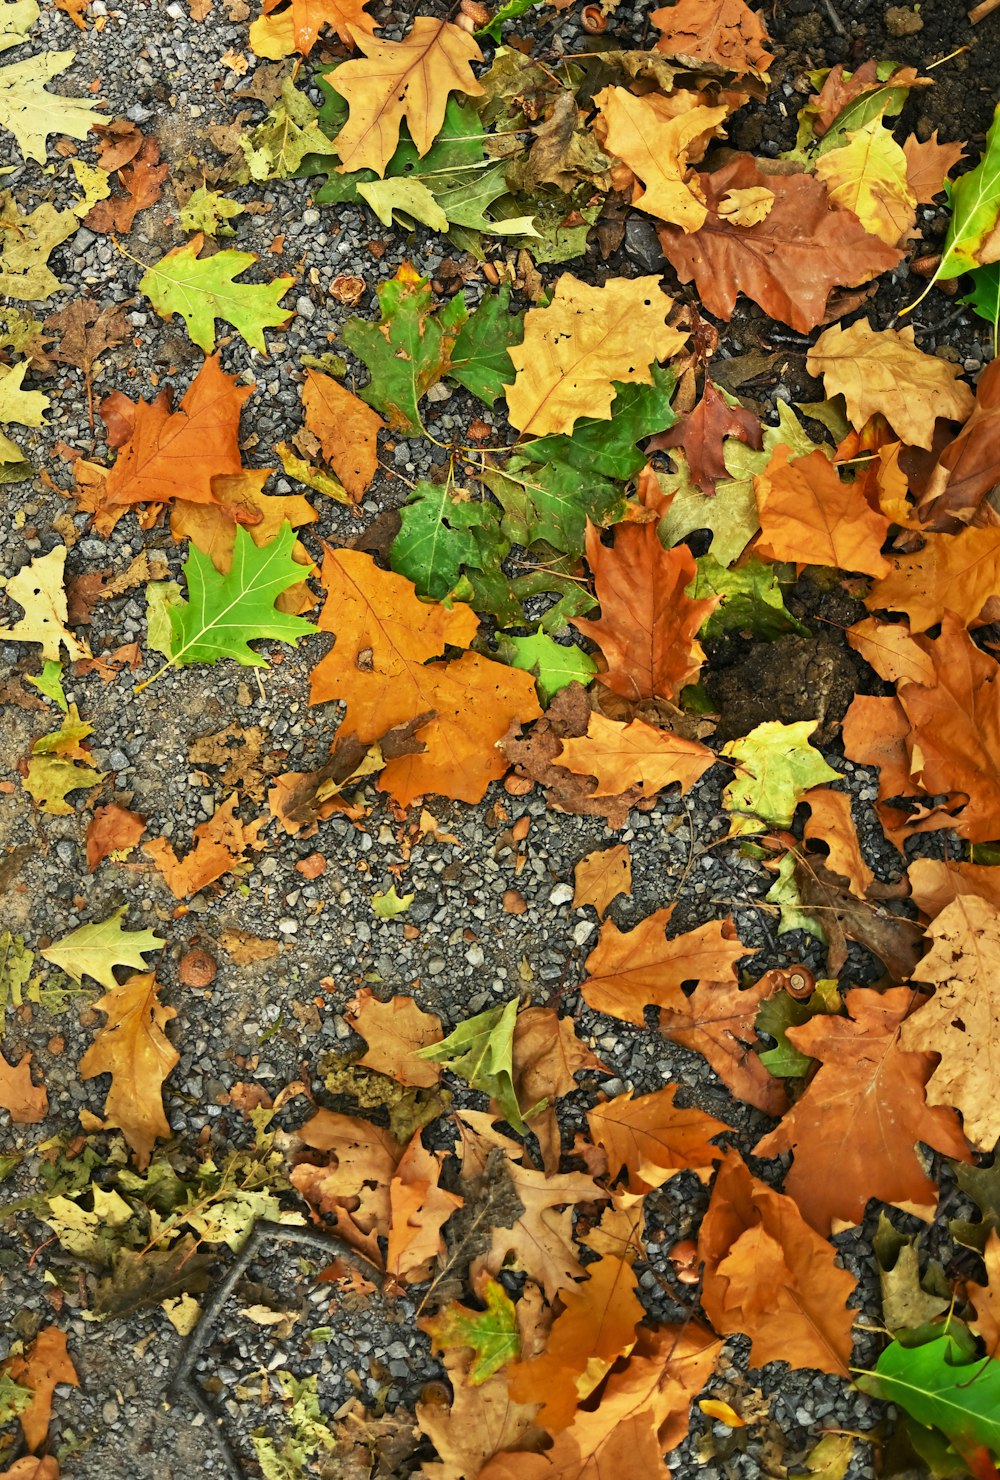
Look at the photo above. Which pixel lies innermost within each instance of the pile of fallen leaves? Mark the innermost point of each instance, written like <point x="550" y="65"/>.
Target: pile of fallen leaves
<point x="524" y="1247"/>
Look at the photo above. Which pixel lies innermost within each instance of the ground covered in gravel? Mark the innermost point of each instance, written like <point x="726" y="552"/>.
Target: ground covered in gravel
<point x="492" y="911"/>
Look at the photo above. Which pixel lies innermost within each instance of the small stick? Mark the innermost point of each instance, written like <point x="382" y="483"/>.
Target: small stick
<point x="981" y="11"/>
<point x="838" y="24"/>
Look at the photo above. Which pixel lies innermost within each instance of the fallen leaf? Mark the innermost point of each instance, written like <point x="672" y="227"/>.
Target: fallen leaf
<point x="867" y="1101"/>
<point x="957" y="573"/>
<point x="25" y="1102"/>
<point x="393" y="1031"/>
<point x="882" y="370"/>
<point x="986" y="1298"/>
<point x="95" y="950"/>
<point x="775" y="766"/>
<point x="379" y="667"/>
<point x="482" y="1420"/>
<point x="725" y="32"/>
<point x="968" y="467"/>
<point x="928" y="164"/>
<point x="59" y="765"/>
<point x="789" y="262"/>
<point x="653" y="1139"/>
<point x="397" y="80"/>
<point x="868" y="174"/>
<point x="701" y="433"/>
<point x="808" y="514"/>
<point x="142" y="179"/>
<point x="112" y="829"/>
<point x="282" y="29"/>
<point x="45" y="1365"/>
<point x="39" y="587"/>
<point x="632" y="969"/>
<point x="203" y="289"/>
<point x="347" y="430"/>
<point x="718" y="1020"/>
<point x="583" y="341"/>
<point x="220" y="846"/>
<point x="133" y="1048"/>
<point x="655" y="148"/>
<point x="491" y="1334"/>
<point x="418" y="1210"/>
<point x="352" y="1186"/>
<point x="830" y="822"/>
<point x="771" y="1277"/>
<point x="634" y="757"/>
<point x="936" y="882"/>
<point x="648" y="624"/>
<point x="958" y="1023"/>
<point x="601" y="877"/>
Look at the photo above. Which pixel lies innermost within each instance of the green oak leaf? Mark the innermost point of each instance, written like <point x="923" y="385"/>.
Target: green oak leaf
<point x="26" y="242"/>
<point x="975" y="203"/>
<point x="479" y="359"/>
<point x="409" y="196"/>
<point x="202" y="290"/>
<point x="225" y="613"/>
<point x="390" y="904"/>
<point x="14" y="1399"/>
<point x="16" y="962"/>
<point x="276" y="148"/>
<point x="208" y="211"/>
<point x="779" y="1013"/>
<point x="985" y="297"/>
<point x="775" y="765"/>
<point x="95" y="950"/>
<point x="608" y="447"/>
<point x="940" y="1388"/>
<point x="409" y="351"/>
<point x="491" y="1334"/>
<point x="441" y="532"/>
<point x="750" y="599"/>
<point x="480" y="1051"/>
<point x="554" y="664"/>
<point x="31" y="113"/>
<point x="49" y="682"/>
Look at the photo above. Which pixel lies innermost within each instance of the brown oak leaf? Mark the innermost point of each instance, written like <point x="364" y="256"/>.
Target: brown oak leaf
<point x="701" y="433"/>
<point x="725" y="32"/>
<point x="133" y="1048"/>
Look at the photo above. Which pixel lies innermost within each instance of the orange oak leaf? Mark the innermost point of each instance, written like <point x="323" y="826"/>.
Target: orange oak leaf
<point x="112" y="829"/>
<point x="586" y="338"/>
<point x="954" y="730"/>
<point x="379" y="667"/>
<point x="718" y="1021"/>
<point x="597" y="1324"/>
<point x="133" y="1048"/>
<point x="394" y="80"/>
<point x="547" y="1055"/>
<point x="959" y="1022"/>
<point x="347" y="430"/>
<point x="642" y="1411"/>
<point x="701" y="433"/>
<point x="789" y="262"/>
<point x="26" y="1103"/>
<point x="418" y="1210"/>
<point x="648" y="626"/>
<point x="631" y="969"/>
<point x="953" y="572"/>
<point x="142" y="180"/>
<point x="725" y="32"/>
<point x="33" y="1467"/>
<point x="772" y="1277"/>
<point x="621" y="757"/>
<point x="875" y="732"/>
<point x="855" y="1130"/>
<point x="393" y="1031"/>
<point x="43" y="1367"/>
<point x="935" y="882"/>
<point x="601" y="877"/>
<point x="830" y="822"/>
<point x="220" y="846"/>
<point x="170" y="453"/>
<point x="241" y="500"/>
<point x="890" y="648"/>
<point x="808" y="515"/>
<point x="883" y="371"/>
<point x="656" y="146"/>
<point x="352" y="1186"/>
<point x="653" y="1139"/>
<point x="483" y="1420"/>
<point x="282" y="29"/>
<point x="928" y="165"/>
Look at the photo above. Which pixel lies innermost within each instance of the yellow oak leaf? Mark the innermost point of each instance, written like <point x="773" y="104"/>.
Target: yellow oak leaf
<point x="883" y="370"/>
<point x="656" y="150"/>
<point x="584" y="340"/>
<point x="868" y="175"/>
<point x="133" y="1048"/>
<point x="39" y="588"/>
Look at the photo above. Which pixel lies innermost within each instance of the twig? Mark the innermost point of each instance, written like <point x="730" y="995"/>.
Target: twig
<point x="838" y="24"/>
<point x="981" y="11"/>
